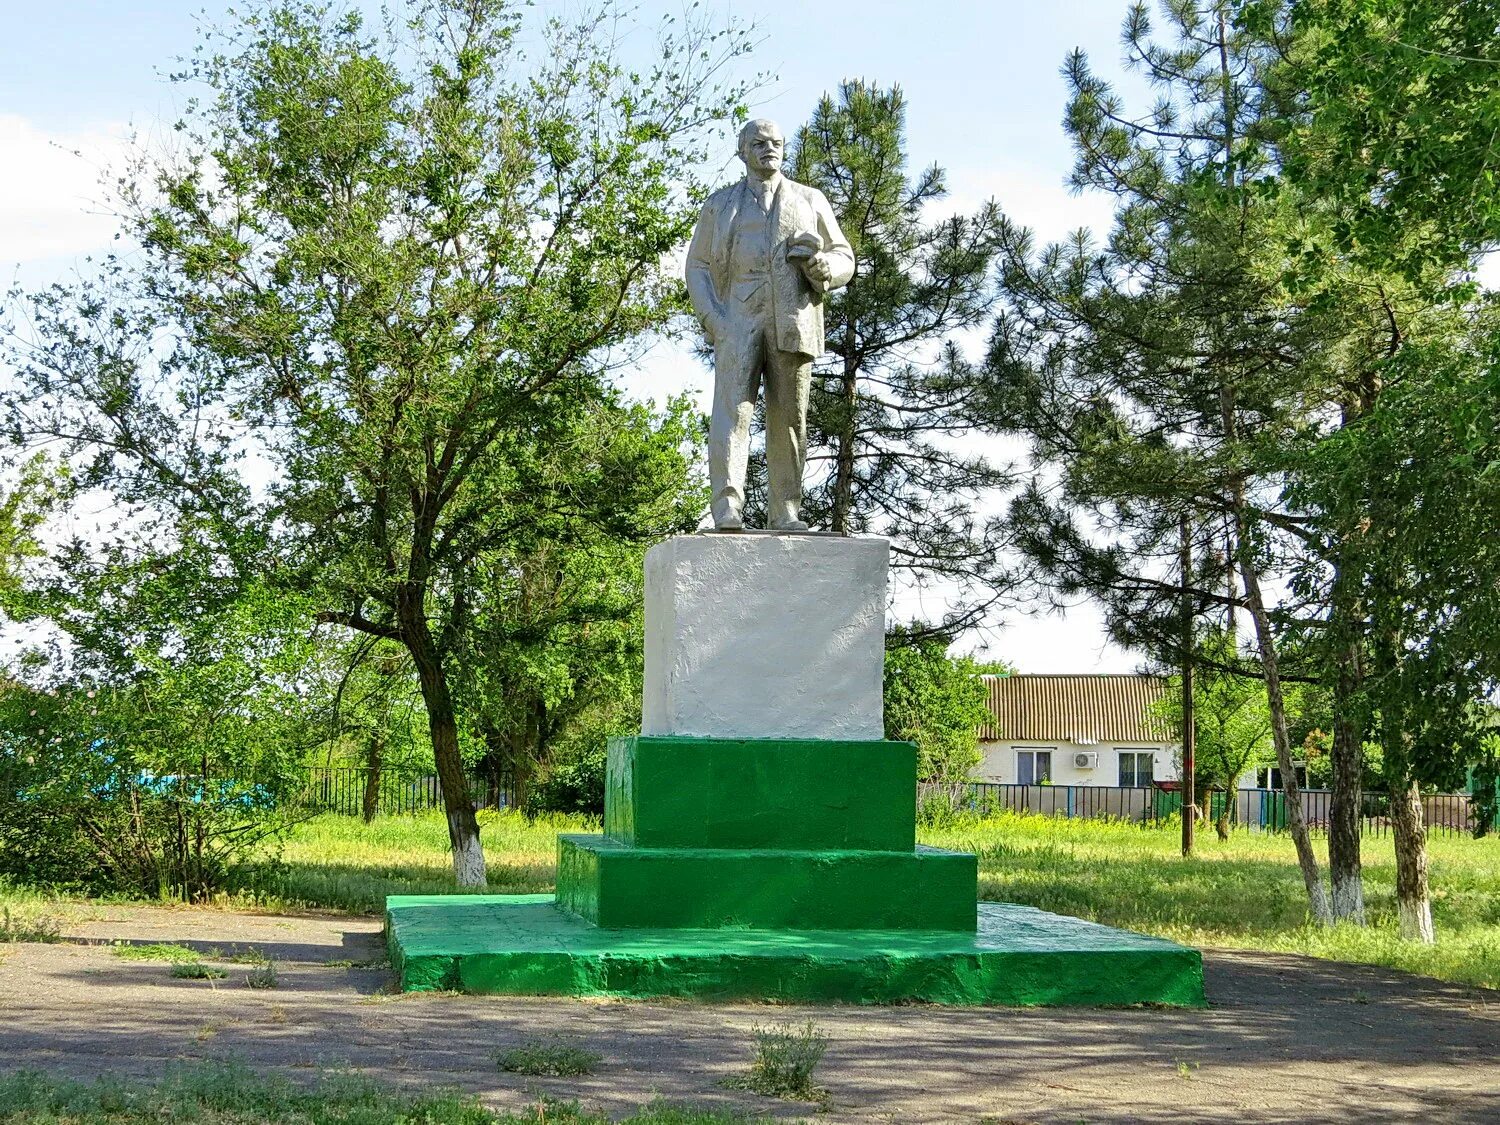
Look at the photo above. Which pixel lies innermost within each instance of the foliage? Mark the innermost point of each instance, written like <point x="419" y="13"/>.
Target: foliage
<point x="785" y="1058"/>
<point x="1231" y="718"/>
<point x="894" y="389"/>
<point x="394" y="273"/>
<point x="556" y="1057"/>
<point x="23" y="511"/>
<point x="1401" y="112"/>
<point x="574" y="786"/>
<point x="157" y="769"/>
<point x="937" y="701"/>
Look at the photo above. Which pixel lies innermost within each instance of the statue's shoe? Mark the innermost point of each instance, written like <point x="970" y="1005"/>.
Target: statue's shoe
<point x="790" y="525"/>
<point x="729" y="523"/>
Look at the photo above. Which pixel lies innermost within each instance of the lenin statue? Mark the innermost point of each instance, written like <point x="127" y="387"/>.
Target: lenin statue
<point x="763" y="254"/>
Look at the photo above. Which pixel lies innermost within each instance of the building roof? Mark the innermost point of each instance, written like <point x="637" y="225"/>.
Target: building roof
<point x="1082" y="708"/>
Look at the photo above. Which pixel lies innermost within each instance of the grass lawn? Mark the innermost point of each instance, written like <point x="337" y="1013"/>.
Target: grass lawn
<point x="1243" y="894"/>
<point x="220" y="1095"/>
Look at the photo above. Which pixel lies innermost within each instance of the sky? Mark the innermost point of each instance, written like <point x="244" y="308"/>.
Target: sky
<point x="982" y="82"/>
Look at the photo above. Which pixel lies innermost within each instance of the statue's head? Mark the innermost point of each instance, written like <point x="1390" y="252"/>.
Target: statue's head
<point x="762" y="147"/>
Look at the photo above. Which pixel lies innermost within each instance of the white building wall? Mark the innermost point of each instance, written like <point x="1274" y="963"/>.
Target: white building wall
<point x="998" y="761"/>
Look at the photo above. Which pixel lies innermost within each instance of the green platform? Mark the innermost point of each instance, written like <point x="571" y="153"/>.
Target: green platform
<point x="613" y="885"/>
<point x="524" y="945"/>
<point x="776" y="869"/>
<point x="761" y="793"/>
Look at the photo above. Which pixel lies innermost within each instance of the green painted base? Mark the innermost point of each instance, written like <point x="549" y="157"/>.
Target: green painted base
<point x="524" y="945"/>
<point x="613" y="885"/>
<point x="786" y="793"/>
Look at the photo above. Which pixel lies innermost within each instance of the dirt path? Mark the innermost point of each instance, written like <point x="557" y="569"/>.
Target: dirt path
<point x="1287" y="1039"/>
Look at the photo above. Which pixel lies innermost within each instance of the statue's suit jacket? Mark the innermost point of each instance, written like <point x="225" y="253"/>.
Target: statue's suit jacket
<point x="796" y="302"/>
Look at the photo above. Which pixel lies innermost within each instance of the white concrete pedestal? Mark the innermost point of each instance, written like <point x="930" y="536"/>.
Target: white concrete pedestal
<point x="765" y="636"/>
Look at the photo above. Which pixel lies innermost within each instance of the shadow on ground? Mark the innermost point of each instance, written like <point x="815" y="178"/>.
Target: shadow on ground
<point x="1287" y="1038"/>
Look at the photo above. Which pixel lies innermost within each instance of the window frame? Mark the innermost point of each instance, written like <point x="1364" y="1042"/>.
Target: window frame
<point x="1032" y="752"/>
<point x="1135" y="754"/>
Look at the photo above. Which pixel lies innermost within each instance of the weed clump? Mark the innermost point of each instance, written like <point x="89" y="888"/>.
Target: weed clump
<point x="785" y="1058"/>
<point x="263" y="975"/>
<point x="155" y="951"/>
<point x="29" y="927"/>
<point x="197" y="970"/>
<point x="556" y="1057"/>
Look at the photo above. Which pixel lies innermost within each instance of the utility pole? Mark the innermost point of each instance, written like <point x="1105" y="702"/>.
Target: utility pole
<point x="1189" y="723"/>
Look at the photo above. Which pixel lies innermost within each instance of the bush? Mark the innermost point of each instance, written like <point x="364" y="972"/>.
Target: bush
<point x="573" y="786"/>
<point x="86" y="804"/>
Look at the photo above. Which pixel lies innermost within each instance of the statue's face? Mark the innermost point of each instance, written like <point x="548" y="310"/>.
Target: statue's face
<point x="763" y="149"/>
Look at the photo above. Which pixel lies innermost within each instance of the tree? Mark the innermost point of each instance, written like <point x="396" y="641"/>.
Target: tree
<point x="160" y="768"/>
<point x="894" y="390"/>
<point x="1399" y="127"/>
<point x="1232" y="719"/>
<point x="394" y="275"/>
<point x="1393" y="114"/>
<point x="1161" y="375"/>
<point x="937" y="701"/>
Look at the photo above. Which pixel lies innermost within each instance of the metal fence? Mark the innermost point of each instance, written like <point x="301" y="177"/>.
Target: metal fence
<point x="343" y="789"/>
<point x="1262" y="810"/>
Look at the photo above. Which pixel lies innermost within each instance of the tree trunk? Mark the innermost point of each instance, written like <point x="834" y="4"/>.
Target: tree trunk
<point x="442" y="726"/>
<point x="374" y="754"/>
<point x="843" y="479"/>
<point x="1413" y="904"/>
<point x="1344" y="805"/>
<point x="1317" y="899"/>
<point x="1189" y="719"/>
<point x="1244" y="553"/>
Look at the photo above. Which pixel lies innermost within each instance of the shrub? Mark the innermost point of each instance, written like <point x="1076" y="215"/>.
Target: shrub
<point x="574" y="786"/>
<point x="89" y="800"/>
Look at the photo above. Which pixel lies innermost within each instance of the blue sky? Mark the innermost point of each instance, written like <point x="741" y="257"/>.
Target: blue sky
<point x="981" y="80"/>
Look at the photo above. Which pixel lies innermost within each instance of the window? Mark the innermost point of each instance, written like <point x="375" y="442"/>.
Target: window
<point x="1137" y="768"/>
<point x="1033" y="767"/>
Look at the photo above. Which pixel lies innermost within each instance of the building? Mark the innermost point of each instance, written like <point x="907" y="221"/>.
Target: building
<point x="1076" y="730"/>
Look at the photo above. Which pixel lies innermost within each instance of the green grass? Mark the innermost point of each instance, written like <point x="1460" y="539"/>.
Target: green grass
<point x="1242" y="894"/>
<point x="197" y="970"/>
<point x="156" y="951"/>
<point x="230" y="1095"/>
<point x="1245" y="893"/>
<point x="555" y="1057"/>
<point x="339" y="862"/>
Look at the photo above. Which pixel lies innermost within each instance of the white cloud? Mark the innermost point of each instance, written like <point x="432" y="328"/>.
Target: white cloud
<point x="51" y="198"/>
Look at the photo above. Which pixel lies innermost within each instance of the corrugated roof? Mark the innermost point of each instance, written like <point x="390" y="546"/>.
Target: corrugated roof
<point x="1082" y="708"/>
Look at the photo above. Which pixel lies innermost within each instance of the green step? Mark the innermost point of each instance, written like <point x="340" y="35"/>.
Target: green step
<point x="523" y="945"/>
<point x="614" y="885"/>
<point x="799" y="794"/>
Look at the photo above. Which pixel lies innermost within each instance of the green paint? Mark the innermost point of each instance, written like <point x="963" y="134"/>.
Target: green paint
<point x="799" y="794"/>
<point x="522" y="944"/>
<point x="614" y="885"/>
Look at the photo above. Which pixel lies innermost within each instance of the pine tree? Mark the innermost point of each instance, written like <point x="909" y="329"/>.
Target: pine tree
<point x="894" y="393"/>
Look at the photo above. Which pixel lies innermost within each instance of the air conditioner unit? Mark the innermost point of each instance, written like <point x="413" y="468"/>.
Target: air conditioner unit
<point x="1085" y="761"/>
